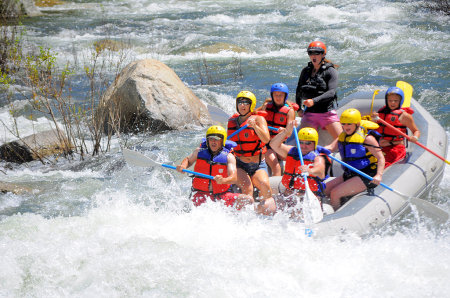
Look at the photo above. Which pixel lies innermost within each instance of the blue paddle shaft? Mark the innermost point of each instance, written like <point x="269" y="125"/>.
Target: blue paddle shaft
<point x="237" y="131"/>
<point x="300" y="153"/>
<point x="244" y="127"/>
<point x="359" y="172"/>
<point x="190" y="172"/>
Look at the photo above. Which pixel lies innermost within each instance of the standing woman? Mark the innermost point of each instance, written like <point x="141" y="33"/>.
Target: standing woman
<point x="316" y="89"/>
<point x="251" y="146"/>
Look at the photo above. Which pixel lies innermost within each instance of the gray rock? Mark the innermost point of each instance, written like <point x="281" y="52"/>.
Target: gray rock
<point x="148" y="95"/>
<point x="36" y="146"/>
<point x="16" y="8"/>
<point x="14" y="188"/>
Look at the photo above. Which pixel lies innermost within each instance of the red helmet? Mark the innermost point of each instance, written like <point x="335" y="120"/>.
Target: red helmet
<point x="317" y="46"/>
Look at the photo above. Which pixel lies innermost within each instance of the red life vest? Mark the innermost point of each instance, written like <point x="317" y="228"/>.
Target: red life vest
<point x="216" y="165"/>
<point x="248" y="142"/>
<point x="276" y="117"/>
<point x="292" y="177"/>
<point x="391" y="117"/>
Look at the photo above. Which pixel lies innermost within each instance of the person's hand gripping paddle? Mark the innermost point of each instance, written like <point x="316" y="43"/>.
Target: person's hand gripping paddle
<point x="312" y="211"/>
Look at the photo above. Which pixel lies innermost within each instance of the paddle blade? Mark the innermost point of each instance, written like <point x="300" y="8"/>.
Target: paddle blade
<point x="408" y="91"/>
<point x="218" y="114"/>
<point x="312" y="211"/>
<point x="137" y="159"/>
<point x="430" y="210"/>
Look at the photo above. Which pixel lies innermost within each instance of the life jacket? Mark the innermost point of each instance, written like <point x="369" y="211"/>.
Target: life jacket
<point x="391" y="117"/>
<point x="316" y="85"/>
<point x="353" y="152"/>
<point x="276" y="117"/>
<point x="248" y="142"/>
<point x="210" y="165"/>
<point x="292" y="177"/>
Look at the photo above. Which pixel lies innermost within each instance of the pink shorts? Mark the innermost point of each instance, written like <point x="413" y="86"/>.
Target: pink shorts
<point x="316" y="120"/>
<point x="201" y="197"/>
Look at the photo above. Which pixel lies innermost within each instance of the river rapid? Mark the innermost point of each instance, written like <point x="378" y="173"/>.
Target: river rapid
<point x="102" y="228"/>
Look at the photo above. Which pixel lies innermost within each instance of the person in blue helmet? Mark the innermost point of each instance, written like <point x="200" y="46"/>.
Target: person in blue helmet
<point x="391" y="141"/>
<point x="279" y="113"/>
<point x="316" y="90"/>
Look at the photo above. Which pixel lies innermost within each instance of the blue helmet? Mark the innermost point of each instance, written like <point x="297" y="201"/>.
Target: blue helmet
<point x="395" y="90"/>
<point x="280" y="87"/>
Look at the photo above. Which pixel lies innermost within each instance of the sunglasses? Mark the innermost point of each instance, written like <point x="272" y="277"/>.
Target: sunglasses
<point x="244" y="102"/>
<point x="305" y="142"/>
<point x="214" y="138"/>
<point x="314" y="53"/>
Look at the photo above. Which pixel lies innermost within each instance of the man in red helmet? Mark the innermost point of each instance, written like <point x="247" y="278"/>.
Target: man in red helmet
<point x="316" y="90"/>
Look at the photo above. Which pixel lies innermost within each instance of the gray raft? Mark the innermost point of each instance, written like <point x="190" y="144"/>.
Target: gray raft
<point x="415" y="176"/>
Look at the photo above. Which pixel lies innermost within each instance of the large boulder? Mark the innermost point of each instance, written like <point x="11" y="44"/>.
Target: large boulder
<point x="36" y="146"/>
<point x="149" y="96"/>
<point x="11" y="9"/>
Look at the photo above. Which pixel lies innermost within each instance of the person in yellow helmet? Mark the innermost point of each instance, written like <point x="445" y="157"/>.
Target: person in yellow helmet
<point x="213" y="158"/>
<point x="316" y="164"/>
<point x="359" y="149"/>
<point x="251" y="146"/>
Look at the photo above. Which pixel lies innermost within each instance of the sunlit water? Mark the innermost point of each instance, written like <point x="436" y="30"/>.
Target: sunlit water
<point x="100" y="227"/>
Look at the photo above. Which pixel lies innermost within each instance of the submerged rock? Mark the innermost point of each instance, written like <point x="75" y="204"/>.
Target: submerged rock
<point x="14" y="188"/>
<point x="36" y="146"/>
<point x="219" y="47"/>
<point x="149" y="96"/>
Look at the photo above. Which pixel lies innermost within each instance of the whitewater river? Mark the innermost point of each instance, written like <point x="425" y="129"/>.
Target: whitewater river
<point x="101" y="228"/>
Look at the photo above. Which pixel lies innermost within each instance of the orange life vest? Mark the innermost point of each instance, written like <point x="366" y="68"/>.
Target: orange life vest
<point x="248" y="142"/>
<point x="391" y="117"/>
<point x="216" y="165"/>
<point x="276" y="117"/>
<point x="292" y="177"/>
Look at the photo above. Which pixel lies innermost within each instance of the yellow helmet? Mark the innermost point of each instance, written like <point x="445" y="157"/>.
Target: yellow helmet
<point x="351" y="116"/>
<point x="249" y="95"/>
<point x="217" y="131"/>
<point x="309" y="134"/>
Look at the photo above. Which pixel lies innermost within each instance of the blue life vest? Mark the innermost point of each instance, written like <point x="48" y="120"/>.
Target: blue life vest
<point x="353" y="152"/>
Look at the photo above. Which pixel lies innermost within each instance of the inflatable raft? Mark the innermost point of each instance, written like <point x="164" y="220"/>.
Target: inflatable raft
<point x="414" y="177"/>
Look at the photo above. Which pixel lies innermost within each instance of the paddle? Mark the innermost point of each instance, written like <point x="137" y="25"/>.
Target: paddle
<point x="407" y="91"/>
<point x="221" y="116"/>
<point x="421" y="204"/>
<point x="373" y="98"/>
<point x="408" y="137"/>
<point x="313" y="211"/>
<point x="218" y="114"/>
<point x="140" y="160"/>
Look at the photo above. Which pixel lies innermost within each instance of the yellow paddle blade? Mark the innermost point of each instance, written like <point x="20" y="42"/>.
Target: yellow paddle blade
<point x="408" y="90"/>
